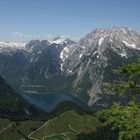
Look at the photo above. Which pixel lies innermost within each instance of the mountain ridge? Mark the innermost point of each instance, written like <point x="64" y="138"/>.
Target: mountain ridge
<point x="94" y="58"/>
<point x="81" y="68"/>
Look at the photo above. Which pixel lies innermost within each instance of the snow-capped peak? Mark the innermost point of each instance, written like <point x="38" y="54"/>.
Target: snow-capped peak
<point x="61" y="40"/>
<point x="58" y="40"/>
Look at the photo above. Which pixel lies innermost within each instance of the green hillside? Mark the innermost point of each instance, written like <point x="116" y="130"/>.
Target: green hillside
<point x="66" y="125"/>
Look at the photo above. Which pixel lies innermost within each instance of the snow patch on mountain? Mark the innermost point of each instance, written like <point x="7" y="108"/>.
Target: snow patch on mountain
<point x="59" y="41"/>
<point x="80" y="55"/>
<point x="124" y="54"/>
<point x="8" y="47"/>
<point x="83" y="47"/>
<point x="64" y="54"/>
<point x="100" y="41"/>
<point x="12" y="45"/>
<point x="130" y="45"/>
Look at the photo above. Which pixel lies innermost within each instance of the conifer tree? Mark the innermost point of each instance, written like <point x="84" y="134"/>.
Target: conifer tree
<point x="126" y="119"/>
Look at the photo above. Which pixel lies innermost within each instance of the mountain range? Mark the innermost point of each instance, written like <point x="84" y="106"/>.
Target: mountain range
<point x="80" y="68"/>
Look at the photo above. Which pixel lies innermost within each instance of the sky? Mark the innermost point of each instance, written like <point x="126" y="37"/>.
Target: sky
<point x="23" y="20"/>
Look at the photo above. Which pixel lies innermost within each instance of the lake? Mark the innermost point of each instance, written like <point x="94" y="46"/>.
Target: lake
<point x="49" y="101"/>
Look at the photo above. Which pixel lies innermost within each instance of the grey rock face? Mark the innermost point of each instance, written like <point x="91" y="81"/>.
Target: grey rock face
<point x="94" y="58"/>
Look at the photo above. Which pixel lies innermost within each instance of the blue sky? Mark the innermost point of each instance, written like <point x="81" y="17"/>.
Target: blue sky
<point x="22" y="20"/>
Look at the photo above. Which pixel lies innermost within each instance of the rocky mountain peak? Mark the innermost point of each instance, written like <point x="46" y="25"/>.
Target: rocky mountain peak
<point x="99" y="44"/>
<point x="58" y="40"/>
<point x="94" y="58"/>
<point x="113" y="32"/>
<point x="62" y="40"/>
<point x="124" y="35"/>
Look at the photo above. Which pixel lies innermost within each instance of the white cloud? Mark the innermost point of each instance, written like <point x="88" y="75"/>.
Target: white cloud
<point x="17" y="34"/>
